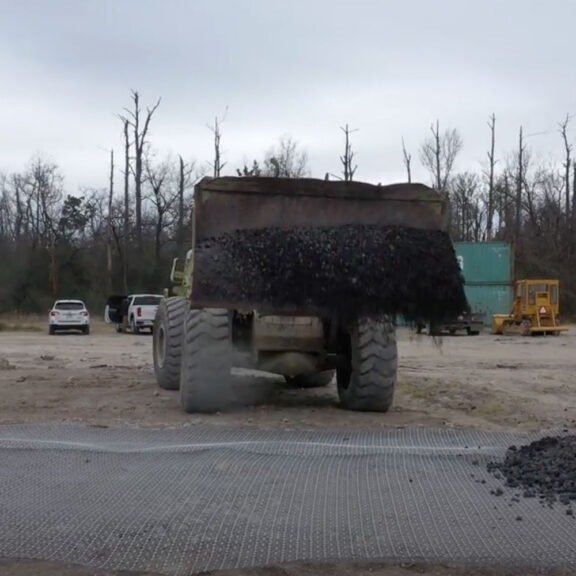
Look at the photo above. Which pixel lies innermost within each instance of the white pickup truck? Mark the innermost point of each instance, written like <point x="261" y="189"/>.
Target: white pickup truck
<point x="134" y="312"/>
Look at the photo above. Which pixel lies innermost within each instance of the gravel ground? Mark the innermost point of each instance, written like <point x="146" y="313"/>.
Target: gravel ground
<point x="106" y="379"/>
<point x="545" y="468"/>
<point x="483" y="382"/>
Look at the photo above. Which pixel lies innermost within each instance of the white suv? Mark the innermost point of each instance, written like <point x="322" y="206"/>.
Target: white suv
<point x="69" y="315"/>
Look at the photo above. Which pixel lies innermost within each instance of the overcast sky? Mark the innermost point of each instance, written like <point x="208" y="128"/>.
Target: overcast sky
<point x="297" y="67"/>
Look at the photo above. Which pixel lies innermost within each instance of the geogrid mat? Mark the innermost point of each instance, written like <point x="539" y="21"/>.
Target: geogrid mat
<point x="181" y="501"/>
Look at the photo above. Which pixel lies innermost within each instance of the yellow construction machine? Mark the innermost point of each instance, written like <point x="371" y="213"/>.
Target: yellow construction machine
<point x="535" y="311"/>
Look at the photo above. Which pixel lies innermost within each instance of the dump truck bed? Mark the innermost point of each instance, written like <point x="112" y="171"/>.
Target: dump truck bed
<point x="226" y="204"/>
<point x="321" y="247"/>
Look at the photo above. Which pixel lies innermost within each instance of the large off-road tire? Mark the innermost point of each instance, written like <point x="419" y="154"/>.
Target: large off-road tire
<point x="367" y="377"/>
<point x="167" y="341"/>
<point x="318" y="380"/>
<point x="206" y="361"/>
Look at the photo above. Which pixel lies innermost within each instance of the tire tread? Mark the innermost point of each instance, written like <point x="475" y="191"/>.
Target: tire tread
<point x="171" y="311"/>
<point x="374" y="361"/>
<point x="206" y="361"/>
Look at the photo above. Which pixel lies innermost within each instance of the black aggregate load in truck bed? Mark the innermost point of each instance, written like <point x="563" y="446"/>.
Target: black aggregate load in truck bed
<point x="349" y="269"/>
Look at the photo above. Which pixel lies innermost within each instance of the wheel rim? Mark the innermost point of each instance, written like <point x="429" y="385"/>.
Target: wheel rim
<point x="160" y="335"/>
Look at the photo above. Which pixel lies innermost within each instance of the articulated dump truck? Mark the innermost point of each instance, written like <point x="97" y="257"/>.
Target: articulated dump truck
<point x="302" y="278"/>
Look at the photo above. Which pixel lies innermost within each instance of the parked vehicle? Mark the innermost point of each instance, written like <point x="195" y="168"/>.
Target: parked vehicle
<point x="135" y="312"/>
<point x="469" y="322"/>
<point x="69" y="315"/>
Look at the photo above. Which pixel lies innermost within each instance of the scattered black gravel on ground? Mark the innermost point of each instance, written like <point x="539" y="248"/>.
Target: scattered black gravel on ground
<point x="545" y="468"/>
<point x="351" y="269"/>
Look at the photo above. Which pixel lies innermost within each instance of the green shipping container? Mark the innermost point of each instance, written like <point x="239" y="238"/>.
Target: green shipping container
<point x="485" y="262"/>
<point x="489" y="299"/>
<point x="488" y="272"/>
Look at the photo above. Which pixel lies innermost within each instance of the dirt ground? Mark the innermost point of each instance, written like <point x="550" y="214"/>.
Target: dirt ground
<point x="106" y="379"/>
<point x="35" y="568"/>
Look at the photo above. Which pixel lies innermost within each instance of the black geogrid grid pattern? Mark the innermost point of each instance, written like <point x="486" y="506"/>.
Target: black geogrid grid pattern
<point x="185" y="500"/>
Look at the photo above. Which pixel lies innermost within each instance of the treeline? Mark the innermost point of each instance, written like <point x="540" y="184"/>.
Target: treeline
<point x="116" y="240"/>
<point x="517" y="199"/>
<point x="122" y="239"/>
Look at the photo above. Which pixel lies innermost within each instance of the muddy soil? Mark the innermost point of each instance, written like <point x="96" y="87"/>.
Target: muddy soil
<point x="485" y="382"/>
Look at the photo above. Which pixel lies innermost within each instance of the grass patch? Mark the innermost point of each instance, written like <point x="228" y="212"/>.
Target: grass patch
<point x="419" y="392"/>
<point x="491" y="409"/>
<point x="12" y="327"/>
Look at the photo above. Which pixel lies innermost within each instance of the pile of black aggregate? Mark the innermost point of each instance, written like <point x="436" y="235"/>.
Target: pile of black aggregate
<point x="350" y="269"/>
<point x="545" y="468"/>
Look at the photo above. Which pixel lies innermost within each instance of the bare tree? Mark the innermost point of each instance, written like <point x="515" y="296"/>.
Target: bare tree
<point x="519" y="186"/>
<point x="110" y="235"/>
<point x="253" y="171"/>
<point x="438" y="154"/>
<point x="567" y="163"/>
<point x="407" y="159"/>
<point x="491" y="167"/>
<point x="467" y="208"/>
<point x="163" y="197"/>
<point x="185" y="180"/>
<point x="347" y="160"/>
<point x="181" y="188"/>
<point x="5" y="210"/>
<point x="47" y="188"/>
<point x="126" y="215"/>
<point x="55" y="244"/>
<point x="140" y="127"/>
<point x="217" y="165"/>
<point x="504" y="200"/>
<point x="286" y="160"/>
<point x="20" y="216"/>
<point x="574" y="190"/>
